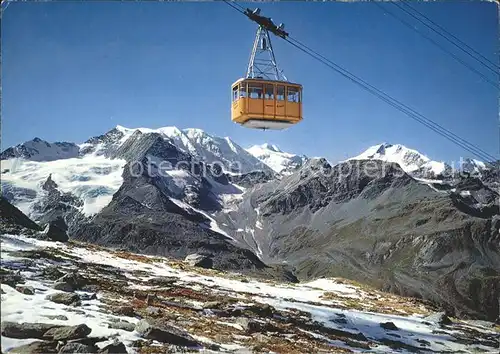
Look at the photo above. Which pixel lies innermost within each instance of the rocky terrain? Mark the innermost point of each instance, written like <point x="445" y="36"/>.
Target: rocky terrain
<point x="74" y="297"/>
<point x="373" y="219"/>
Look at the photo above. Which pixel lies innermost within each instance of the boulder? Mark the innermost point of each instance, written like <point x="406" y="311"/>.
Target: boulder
<point x="26" y="330"/>
<point x="26" y="290"/>
<point x="249" y="325"/>
<point x="123" y="325"/>
<point x="75" y="347"/>
<point x="56" y="230"/>
<point x="439" y="318"/>
<point x="62" y="286"/>
<point x="10" y="278"/>
<point x="199" y="260"/>
<point x="74" y="280"/>
<point x="162" y="281"/>
<point x="115" y="347"/>
<point x="165" y="333"/>
<point x="389" y="326"/>
<point x="37" y="347"/>
<point x="124" y="311"/>
<point x="52" y="273"/>
<point x="65" y="333"/>
<point x="64" y="298"/>
<point x="264" y="310"/>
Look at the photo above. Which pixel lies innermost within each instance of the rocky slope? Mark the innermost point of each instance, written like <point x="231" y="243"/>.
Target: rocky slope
<point x="169" y="207"/>
<point x="13" y="221"/>
<point x="67" y="298"/>
<point x="372" y="222"/>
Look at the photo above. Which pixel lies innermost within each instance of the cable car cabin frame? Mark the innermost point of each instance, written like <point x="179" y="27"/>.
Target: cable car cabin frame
<point x="266" y="104"/>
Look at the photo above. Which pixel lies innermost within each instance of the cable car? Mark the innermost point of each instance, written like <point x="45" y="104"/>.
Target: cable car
<point x="265" y="99"/>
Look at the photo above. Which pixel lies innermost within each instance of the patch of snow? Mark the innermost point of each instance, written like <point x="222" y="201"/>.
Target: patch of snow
<point x="214" y="226"/>
<point x="306" y="297"/>
<point x="331" y="285"/>
<point x="19" y="308"/>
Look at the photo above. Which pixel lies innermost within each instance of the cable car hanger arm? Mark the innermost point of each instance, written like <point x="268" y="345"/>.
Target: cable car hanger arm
<point x="266" y="22"/>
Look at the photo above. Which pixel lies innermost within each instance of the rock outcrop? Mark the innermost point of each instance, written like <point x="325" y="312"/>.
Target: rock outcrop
<point x="13" y="220"/>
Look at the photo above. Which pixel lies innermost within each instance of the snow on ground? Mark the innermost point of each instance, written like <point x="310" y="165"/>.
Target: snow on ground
<point x="307" y="297"/>
<point x="20" y="308"/>
<point x="92" y="178"/>
<point x="329" y="285"/>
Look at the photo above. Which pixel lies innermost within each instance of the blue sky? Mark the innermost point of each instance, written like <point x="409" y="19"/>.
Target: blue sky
<point x="74" y="70"/>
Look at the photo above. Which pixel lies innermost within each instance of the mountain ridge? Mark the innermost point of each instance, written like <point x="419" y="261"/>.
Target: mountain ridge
<point x="210" y="148"/>
<point x="160" y="191"/>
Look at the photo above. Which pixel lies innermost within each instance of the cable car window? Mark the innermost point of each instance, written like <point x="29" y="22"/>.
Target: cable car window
<point x="292" y="94"/>
<point x="269" y="92"/>
<point x="255" y="91"/>
<point x="235" y="93"/>
<point x="280" y="93"/>
<point x="243" y="90"/>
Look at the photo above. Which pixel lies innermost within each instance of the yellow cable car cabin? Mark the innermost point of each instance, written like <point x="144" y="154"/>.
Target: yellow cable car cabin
<point x="266" y="104"/>
<point x="258" y="101"/>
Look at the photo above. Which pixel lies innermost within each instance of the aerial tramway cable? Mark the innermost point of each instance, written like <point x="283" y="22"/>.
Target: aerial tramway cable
<point x="473" y="149"/>
<point x="495" y="68"/>
<point x="437" y="44"/>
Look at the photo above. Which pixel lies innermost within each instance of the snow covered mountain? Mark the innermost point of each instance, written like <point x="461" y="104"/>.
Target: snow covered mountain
<point x="100" y="167"/>
<point x="195" y="142"/>
<point x="473" y="166"/>
<point x="279" y="161"/>
<point x="93" y="179"/>
<point x="411" y="161"/>
<point x="41" y="150"/>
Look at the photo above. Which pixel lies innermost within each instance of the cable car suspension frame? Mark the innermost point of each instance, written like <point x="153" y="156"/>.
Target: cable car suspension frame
<point x="262" y="62"/>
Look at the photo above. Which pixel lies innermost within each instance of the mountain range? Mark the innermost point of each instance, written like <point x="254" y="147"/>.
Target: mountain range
<point x="390" y="217"/>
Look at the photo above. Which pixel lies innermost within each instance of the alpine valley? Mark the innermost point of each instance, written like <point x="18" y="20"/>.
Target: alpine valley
<point x="390" y="218"/>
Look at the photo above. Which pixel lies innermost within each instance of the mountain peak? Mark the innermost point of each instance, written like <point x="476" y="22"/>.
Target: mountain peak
<point x="271" y="147"/>
<point x="41" y="150"/>
<point x="275" y="158"/>
<point x="123" y="129"/>
<point x="195" y="132"/>
<point x="410" y="160"/>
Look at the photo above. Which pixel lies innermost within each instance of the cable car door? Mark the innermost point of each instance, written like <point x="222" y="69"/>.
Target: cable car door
<point x="280" y="101"/>
<point x="269" y="105"/>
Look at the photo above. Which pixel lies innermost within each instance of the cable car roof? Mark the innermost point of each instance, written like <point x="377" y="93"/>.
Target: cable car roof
<point x="266" y="80"/>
